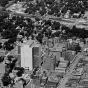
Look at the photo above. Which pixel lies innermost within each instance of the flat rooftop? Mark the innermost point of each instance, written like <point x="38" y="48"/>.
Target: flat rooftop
<point x="29" y="42"/>
<point x="2" y="69"/>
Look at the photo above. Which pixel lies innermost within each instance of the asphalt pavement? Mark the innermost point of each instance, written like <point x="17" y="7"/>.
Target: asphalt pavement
<point x="70" y="70"/>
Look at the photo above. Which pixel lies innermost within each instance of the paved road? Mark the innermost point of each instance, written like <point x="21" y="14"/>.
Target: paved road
<point x="68" y="74"/>
<point x="9" y="53"/>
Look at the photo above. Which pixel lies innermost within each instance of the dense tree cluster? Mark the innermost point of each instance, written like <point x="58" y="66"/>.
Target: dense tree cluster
<point x="75" y="6"/>
<point x="8" y="46"/>
<point x="43" y="7"/>
<point x="78" y="32"/>
<point x="0" y="45"/>
<point x="11" y="65"/>
<point x="20" y="71"/>
<point x="6" y="79"/>
<point x="1" y="59"/>
<point x="12" y="26"/>
<point x="34" y="72"/>
<point x="4" y="2"/>
<point x="10" y="58"/>
<point x="53" y="7"/>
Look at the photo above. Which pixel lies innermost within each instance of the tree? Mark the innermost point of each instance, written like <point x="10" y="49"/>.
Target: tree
<point x="22" y="33"/>
<point x="39" y="38"/>
<point x="19" y="73"/>
<point x="3" y="2"/>
<point x="37" y="19"/>
<point x="10" y="58"/>
<point x="19" y="68"/>
<point x="48" y="22"/>
<point x="77" y="48"/>
<point x="0" y="45"/>
<point x="56" y="34"/>
<point x="12" y="33"/>
<point x="49" y="1"/>
<point x="6" y="79"/>
<point x="43" y="11"/>
<point x="12" y="65"/>
<point x="1" y="59"/>
<point x="56" y="25"/>
<point x="12" y="40"/>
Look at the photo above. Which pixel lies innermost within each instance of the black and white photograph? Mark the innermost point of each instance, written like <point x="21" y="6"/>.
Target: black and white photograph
<point x="43" y="43"/>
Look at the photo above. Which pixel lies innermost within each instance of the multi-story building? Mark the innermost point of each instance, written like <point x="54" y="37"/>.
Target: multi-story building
<point x="60" y="70"/>
<point x="68" y="55"/>
<point x="2" y="52"/>
<point x="50" y="43"/>
<point x="29" y="54"/>
<point x="63" y="64"/>
<point x="19" y="84"/>
<point x="85" y="60"/>
<point x="85" y="68"/>
<point x="56" y="40"/>
<point x="78" y="72"/>
<point x="2" y="71"/>
<point x="36" y="83"/>
<point x="36" y="53"/>
<point x="84" y="83"/>
<point x="51" y="85"/>
<point x="57" y="51"/>
<point x="49" y="62"/>
<point x="86" y="40"/>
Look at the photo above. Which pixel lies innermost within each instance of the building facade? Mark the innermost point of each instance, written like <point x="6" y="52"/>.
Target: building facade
<point x="29" y="56"/>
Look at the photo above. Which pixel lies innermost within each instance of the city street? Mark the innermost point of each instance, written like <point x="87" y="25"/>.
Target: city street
<point x="68" y="74"/>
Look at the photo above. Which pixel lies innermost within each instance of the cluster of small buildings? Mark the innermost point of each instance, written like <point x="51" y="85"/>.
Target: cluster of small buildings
<point x="52" y="59"/>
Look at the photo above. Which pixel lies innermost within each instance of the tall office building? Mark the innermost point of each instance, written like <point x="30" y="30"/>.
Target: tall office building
<point x="29" y="55"/>
<point x="69" y="55"/>
<point x="57" y="51"/>
<point x="36" y="54"/>
<point x="49" y="62"/>
<point x="25" y="57"/>
<point x="2" y="71"/>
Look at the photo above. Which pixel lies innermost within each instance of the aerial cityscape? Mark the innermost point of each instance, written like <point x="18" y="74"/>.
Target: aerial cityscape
<point x="43" y="43"/>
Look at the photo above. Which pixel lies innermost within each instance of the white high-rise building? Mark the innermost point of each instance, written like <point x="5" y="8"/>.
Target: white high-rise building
<point x="26" y="57"/>
<point x="29" y="55"/>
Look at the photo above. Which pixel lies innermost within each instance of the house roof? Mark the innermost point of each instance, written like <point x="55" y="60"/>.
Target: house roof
<point x="59" y="47"/>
